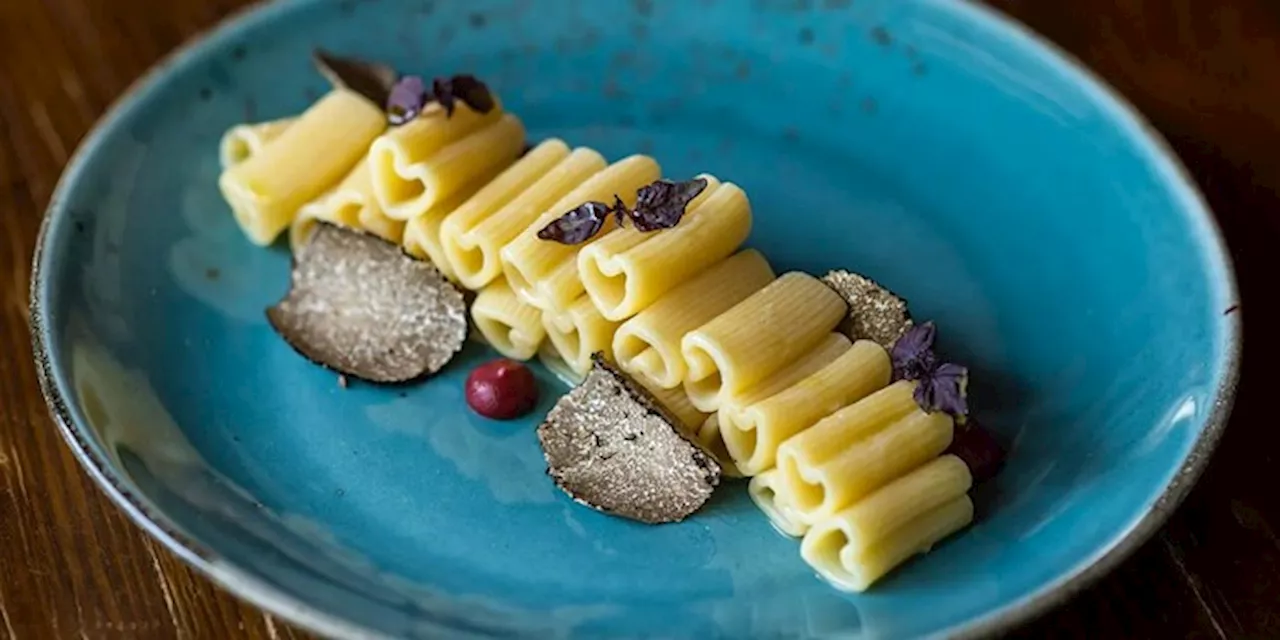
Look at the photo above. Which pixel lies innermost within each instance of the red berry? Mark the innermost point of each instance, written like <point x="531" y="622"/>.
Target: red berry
<point x="502" y="390"/>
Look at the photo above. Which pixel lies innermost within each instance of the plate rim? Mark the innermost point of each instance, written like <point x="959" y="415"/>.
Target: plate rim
<point x="274" y="601"/>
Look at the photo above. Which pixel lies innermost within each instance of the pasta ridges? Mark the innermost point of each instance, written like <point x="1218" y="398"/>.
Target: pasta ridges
<point x="605" y="266"/>
<point x="421" y="237"/>
<point x="893" y="506"/>
<point x="648" y="344"/>
<point x="869" y="464"/>
<point x="544" y="273"/>
<point x="826" y="547"/>
<point x="753" y="431"/>
<point x="763" y="490"/>
<point x="478" y="248"/>
<point x="244" y="141"/>
<point x="462" y="231"/>
<point x="623" y="283"/>
<point x="757" y="337"/>
<point x="709" y="436"/>
<point x="578" y="332"/>
<point x="513" y="328"/>
<point x="799" y="455"/>
<point x="418" y="164"/>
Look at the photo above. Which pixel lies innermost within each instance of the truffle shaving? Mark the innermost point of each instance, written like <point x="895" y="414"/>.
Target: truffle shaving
<point x="875" y="313"/>
<point x="612" y="446"/>
<point x="362" y="307"/>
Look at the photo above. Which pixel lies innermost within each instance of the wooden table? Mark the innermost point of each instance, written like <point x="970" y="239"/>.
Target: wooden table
<point x="1207" y="74"/>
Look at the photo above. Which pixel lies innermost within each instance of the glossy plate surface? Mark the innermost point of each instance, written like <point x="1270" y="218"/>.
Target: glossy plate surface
<point x="926" y="143"/>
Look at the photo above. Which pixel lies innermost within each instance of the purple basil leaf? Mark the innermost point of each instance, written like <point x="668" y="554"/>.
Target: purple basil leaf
<point x="472" y="93"/>
<point x="662" y="204"/>
<point x="578" y="225"/>
<point x="944" y="389"/>
<point x="620" y="210"/>
<point x="369" y="79"/>
<point x="979" y="449"/>
<point x="912" y="355"/>
<point x="442" y="92"/>
<point x="407" y="99"/>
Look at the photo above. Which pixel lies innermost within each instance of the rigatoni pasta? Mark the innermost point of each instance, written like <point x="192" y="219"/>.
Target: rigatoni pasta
<point x="577" y="332"/>
<point x="866" y="465"/>
<point x="546" y="273"/>
<point x="826" y="352"/>
<point x="628" y="270"/>
<point x="678" y="404"/>
<point x="757" y="337"/>
<point x="510" y="326"/>
<point x="763" y="490"/>
<point x="858" y="545"/>
<point x="350" y="204"/>
<point x="709" y="438"/>
<point x="837" y="433"/>
<point x="308" y="158"/>
<point x="475" y="234"/>
<point x="648" y="345"/>
<point x="752" y="432"/>
<point x="417" y="165"/>
<point x="244" y="141"/>
<point x="422" y="234"/>
<point x="588" y="264"/>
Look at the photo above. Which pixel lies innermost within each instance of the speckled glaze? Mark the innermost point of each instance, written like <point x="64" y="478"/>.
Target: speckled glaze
<point x="926" y="143"/>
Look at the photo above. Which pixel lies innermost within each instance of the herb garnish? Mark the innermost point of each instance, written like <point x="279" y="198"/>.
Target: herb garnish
<point x="406" y="101"/>
<point x="369" y="79"/>
<point x="660" y="205"/>
<point x="942" y="386"/>
<point x="578" y="225"/>
<point x="410" y="96"/>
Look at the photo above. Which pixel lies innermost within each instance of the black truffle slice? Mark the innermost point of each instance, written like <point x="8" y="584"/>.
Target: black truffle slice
<point x="360" y="306"/>
<point x="875" y="313"/>
<point x="612" y="446"/>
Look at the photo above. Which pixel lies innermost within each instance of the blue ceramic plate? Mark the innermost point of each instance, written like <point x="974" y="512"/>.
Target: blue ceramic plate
<point x="927" y="143"/>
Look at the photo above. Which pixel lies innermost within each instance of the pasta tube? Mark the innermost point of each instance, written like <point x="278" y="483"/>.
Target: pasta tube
<point x="418" y="165"/>
<point x="828" y="351"/>
<point x="867" y="465"/>
<point x="763" y="492"/>
<point x="757" y="337"/>
<point x="577" y="332"/>
<point x="475" y="234"/>
<point x="628" y="270"/>
<point x="422" y="234"/>
<point x="753" y="432"/>
<point x="648" y="345"/>
<point x="510" y="326"/>
<point x="308" y="158"/>
<point x="550" y="358"/>
<point x="859" y="545"/>
<point x="678" y="404"/>
<point x="545" y="273"/>
<point x="244" y="141"/>
<point x="895" y="505"/>
<point x="709" y="437"/>
<point x="350" y="204"/>
<point x="837" y="433"/>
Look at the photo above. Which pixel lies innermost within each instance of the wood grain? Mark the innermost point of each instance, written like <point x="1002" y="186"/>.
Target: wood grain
<point x="73" y="566"/>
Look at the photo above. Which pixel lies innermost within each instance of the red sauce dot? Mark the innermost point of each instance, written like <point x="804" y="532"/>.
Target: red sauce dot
<point x="502" y="390"/>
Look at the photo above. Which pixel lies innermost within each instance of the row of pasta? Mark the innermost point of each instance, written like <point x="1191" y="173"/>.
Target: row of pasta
<point x="752" y="362"/>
